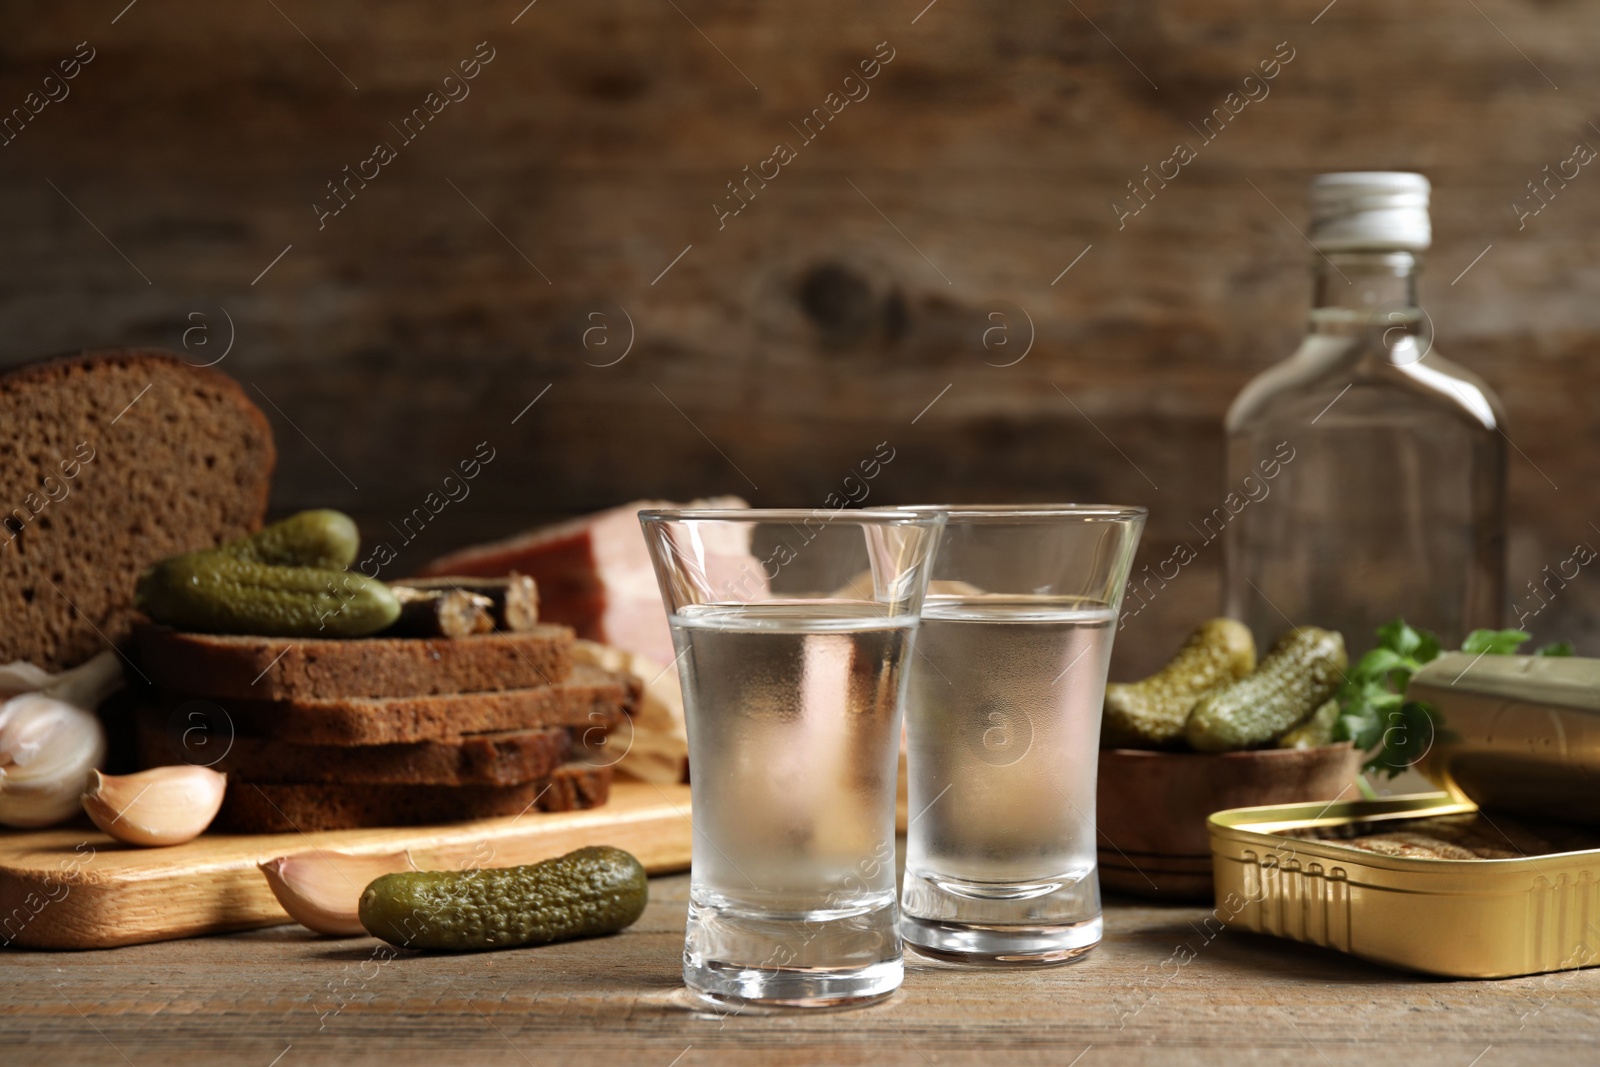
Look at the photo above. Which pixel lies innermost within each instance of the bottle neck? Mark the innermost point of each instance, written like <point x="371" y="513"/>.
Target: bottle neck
<point x="1354" y="290"/>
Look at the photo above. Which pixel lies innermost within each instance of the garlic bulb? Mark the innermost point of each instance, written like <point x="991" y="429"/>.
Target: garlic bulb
<point x="20" y="676"/>
<point x="47" y="748"/>
<point x="87" y="684"/>
<point x="161" y="806"/>
<point x="322" y="889"/>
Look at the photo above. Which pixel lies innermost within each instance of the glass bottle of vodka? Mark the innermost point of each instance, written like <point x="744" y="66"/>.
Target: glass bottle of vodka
<point x="1365" y="473"/>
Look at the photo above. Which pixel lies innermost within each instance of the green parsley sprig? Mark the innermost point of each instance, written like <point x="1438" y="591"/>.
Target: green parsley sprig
<point x="1374" y="713"/>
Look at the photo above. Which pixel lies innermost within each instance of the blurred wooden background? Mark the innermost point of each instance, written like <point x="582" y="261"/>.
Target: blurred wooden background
<point x="533" y="228"/>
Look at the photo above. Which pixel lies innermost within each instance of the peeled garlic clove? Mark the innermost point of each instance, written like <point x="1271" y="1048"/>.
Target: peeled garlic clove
<point x="322" y="890"/>
<point x="47" y="747"/>
<point x="161" y="806"/>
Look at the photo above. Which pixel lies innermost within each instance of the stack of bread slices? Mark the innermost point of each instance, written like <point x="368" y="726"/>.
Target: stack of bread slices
<point x="383" y="731"/>
<point x="120" y="458"/>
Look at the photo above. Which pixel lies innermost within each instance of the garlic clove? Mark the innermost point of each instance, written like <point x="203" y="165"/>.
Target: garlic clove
<point x="161" y="806"/>
<point x="322" y="890"/>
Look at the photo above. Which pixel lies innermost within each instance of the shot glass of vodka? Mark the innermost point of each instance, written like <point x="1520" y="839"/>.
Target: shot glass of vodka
<point x="795" y="631"/>
<point x="1003" y="731"/>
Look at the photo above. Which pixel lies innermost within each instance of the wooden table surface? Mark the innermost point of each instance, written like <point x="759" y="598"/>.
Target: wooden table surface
<point x="284" y="996"/>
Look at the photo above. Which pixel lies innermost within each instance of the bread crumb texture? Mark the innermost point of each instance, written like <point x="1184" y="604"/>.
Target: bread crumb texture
<point x="109" y="461"/>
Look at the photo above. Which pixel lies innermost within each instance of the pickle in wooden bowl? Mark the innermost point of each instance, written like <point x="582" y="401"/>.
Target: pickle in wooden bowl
<point x="1215" y="730"/>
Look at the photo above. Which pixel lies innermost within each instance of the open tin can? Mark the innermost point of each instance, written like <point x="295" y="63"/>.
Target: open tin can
<point x="1518" y="735"/>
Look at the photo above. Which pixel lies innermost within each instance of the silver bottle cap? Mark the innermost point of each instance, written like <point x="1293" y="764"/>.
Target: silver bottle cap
<point x="1377" y="210"/>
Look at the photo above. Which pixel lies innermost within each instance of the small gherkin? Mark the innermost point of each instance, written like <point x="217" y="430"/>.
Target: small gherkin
<point x="1315" y="731"/>
<point x="287" y="580"/>
<point x="217" y="593"/>
<point x="586" y="893"/>
<point x="1151" y="713"/>
<point x="1302" y="671"/>
<point x="319" y="538"/>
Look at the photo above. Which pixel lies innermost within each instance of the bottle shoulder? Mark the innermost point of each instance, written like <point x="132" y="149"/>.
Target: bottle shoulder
<point x="1324" y="368"/>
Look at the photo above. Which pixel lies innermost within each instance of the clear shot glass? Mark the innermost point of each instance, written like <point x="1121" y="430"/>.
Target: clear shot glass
<point x="1003" y="731"/>
<point x="794" y="631"/>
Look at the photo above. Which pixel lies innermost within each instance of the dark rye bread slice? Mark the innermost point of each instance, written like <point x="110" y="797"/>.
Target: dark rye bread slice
<point x="287" y="668"/>
<point x="507" y="757"/>
<point x="590" y="698"/>
<point x="109" y="461"/>
<point x="260" y="808"/>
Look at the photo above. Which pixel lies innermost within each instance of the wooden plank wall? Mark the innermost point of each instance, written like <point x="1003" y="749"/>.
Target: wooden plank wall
<point x="565" y="200"/>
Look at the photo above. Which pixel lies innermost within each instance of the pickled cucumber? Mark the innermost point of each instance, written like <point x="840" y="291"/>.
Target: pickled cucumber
<point x="217" y="592"/>
<point x="1298" y="675"/>
<point x="587" y="893"/>
<point x="1315" y="731"/>
<point x="1151" y="713"/>
<point x="320" y="538"/>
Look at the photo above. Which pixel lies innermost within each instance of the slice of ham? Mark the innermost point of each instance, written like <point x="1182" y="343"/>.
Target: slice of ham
<point x="593" y="573"/>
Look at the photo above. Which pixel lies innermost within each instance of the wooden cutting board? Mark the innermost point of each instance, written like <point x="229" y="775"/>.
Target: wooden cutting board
<point x="75" y="888"/>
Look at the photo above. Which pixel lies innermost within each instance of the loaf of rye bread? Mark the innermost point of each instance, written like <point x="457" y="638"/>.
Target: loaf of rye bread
<point x="505" y="757"/>
<point x="225" y="666"/>
<point x="110" y="461"/>
<point x="253" y="808"/>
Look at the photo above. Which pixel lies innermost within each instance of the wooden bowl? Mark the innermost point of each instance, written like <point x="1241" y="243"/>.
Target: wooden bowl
<point x="1151" y="807"/>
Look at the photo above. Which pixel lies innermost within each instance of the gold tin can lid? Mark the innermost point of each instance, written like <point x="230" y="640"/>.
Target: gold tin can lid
<point x="1519" y="734"/>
